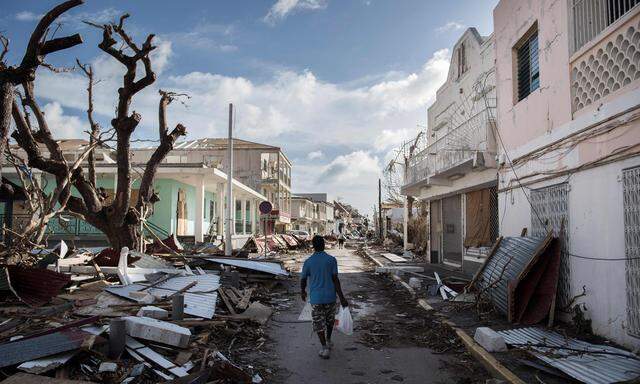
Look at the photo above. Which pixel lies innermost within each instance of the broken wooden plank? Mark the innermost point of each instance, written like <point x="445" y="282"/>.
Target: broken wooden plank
<point x="244" y="303"/>
<point x="225" y="299"/>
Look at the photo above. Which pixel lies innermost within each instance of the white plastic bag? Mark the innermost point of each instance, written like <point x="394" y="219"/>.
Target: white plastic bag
<point x="344" y="321"/>
<point x="305" y="315"/>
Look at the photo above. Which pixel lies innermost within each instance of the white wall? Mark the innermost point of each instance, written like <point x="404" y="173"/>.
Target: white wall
<point x="596" y="229"/>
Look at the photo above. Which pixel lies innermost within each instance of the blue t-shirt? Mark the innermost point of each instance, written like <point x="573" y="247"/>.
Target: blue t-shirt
<point x="319" y="269"/>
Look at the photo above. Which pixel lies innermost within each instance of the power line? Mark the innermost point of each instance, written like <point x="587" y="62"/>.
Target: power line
<point x="533" y="208"/>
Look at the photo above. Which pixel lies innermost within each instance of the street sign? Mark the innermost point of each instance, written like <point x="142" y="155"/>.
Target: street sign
<point x="265" y="207"/>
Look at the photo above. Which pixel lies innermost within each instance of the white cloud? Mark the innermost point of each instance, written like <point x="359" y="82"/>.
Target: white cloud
<point x="353" y="177"/>
<point x="315" y="155"/>
<point x="350" y="169"/>
<point x="282" y="8"/>
<point x="28" y="16"/>
<point x="392" y="138"/>
<point x="75" y="18"/>
<point x="206" y="36"/>
<point x="63" y="126"/>
<point x="450" y="26"/>
<point x="295" y="110"/>
<point x="160" y="56"/>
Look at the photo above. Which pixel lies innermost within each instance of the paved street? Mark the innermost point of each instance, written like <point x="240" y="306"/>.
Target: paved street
<point x="295" y="346"/>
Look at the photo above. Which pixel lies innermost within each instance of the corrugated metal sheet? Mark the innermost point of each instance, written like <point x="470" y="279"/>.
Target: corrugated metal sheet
<point x="510" y="259"/>
<point x="200" y="300"/>
<point x="577" y="359"/>
<point x="148" y="261"/>
<point x="47" y="345"/>
<point x="261" y="266"/>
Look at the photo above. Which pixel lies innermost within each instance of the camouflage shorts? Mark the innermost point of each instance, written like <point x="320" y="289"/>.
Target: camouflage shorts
<point x="322" y="315"/>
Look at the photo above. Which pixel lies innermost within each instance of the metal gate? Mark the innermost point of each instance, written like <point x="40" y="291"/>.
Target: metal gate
<point x="631" y="204"/>
<point x="435" y="229"/>
<point x="549" y="206"/>
<point x="452" y="230"/>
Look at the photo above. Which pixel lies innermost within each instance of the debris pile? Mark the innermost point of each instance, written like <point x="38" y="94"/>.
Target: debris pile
<point x="127" y="317"/>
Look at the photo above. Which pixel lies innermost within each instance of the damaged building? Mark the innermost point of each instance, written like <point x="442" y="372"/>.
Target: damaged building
<point x="536" y="129"/>
<point x="456" y="172"/>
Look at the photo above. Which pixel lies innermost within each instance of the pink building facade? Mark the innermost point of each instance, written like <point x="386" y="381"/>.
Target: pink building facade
<point x="568" y="118"/>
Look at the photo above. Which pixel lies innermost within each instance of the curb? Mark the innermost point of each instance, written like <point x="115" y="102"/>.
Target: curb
<point x="491" y="364"/>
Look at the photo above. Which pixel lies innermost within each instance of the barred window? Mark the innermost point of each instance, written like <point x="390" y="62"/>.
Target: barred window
<point x="527" y="61"/>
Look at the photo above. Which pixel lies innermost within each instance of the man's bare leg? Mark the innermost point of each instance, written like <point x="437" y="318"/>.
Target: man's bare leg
<point x="322" y="338"/>
<point x="329" y="331"/>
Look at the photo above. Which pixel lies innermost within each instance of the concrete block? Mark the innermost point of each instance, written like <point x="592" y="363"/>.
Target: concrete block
<point x="108" y="367"/>
<point x="415" y="282"/>
<point x="490" y="340"/>
<point x="142" y="297"/>
<point x="153" y="312"/>
<point x="157" y="330"/>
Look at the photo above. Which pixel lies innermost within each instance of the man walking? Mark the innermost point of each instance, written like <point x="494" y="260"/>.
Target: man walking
<point x="321" y="270"/>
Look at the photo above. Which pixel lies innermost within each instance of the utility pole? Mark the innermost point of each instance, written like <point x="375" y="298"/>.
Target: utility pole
<point x="380" y="208"/>
<point x="228" y="246"/>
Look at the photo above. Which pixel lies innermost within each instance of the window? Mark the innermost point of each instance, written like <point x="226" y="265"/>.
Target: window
<point x="527" y="62"/>
<point x="549" y="209"/>
<point x="239" y="223"/>
<point x="247" y="216"/>
<point x="462" y="60"/>
<point x="590" y="17"/>
<point x="631" y="204"/>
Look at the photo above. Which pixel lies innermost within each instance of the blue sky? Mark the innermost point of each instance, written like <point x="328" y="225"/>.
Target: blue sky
<point x="336" y="83"/>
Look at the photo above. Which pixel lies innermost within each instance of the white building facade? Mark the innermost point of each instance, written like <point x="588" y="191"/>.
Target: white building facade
<point x="456" y="171"/>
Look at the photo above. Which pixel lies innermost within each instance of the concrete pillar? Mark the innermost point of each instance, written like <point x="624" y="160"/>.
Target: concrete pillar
<point x="405" y="226"/>
<point x="199" y="219"/>
<point x="254" y="217"/>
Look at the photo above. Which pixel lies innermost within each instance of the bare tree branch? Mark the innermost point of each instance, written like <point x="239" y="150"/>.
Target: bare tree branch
<point x="34" y="55"/>
<point x="95" y="127"/>
<point x="167" y="140"/>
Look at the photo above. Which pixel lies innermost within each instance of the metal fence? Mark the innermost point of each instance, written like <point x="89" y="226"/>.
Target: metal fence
<point x="549" y="207"/>
<point x="69" y="226"/>
<point x="590" y="17"/>
<point x="631" y="203"/>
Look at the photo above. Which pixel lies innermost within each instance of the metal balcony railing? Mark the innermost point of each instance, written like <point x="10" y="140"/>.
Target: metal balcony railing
<point x="461" y="143"/>
<point x="590" y="17"/>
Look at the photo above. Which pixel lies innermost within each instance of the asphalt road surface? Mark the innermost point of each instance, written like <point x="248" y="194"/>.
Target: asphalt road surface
<point x="295" y="347"/>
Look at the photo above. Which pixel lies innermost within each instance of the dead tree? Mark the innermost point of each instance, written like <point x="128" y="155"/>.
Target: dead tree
<point x="37" y="48"/>
<point x="119" y="219"/>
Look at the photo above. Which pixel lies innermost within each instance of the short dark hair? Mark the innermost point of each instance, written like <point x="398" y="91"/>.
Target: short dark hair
<point x="318" y="243"/>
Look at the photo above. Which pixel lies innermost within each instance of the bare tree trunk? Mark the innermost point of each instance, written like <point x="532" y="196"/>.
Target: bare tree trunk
<point x="6" y="99"/>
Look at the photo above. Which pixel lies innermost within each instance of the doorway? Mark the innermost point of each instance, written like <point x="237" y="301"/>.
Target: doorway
<point x="181" y="213"/>
<point x="452" y="231"/>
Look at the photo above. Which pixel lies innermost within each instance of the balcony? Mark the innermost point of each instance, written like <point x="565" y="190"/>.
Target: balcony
<point x="606" y="46"/>
<point x="467" y="147"/>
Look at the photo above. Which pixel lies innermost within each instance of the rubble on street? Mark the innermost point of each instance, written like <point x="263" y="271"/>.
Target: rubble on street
<point x="98" y="315"/>
<point x="508" y="308"/>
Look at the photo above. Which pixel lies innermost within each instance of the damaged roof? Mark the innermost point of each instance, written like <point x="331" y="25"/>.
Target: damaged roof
<point x="260" y="266"/>
<point x="200" y="300"/>
<point x="511" y="258"/>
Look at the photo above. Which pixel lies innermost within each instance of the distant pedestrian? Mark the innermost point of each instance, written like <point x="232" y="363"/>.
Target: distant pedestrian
<point x="321" y="271"/>
<point x="341" y="240"/>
